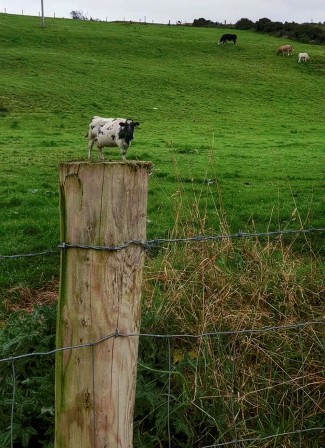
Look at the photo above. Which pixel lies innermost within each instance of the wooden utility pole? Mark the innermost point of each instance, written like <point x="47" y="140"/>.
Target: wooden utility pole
<point x="43" y="20"/>
<point x="101" y="204"/>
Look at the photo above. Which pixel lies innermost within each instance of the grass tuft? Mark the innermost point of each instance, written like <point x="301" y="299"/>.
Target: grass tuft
<point x="242" y="384"/>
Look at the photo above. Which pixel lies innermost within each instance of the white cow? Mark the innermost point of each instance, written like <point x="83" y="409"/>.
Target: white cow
<point x="110" y="132"/>
<point x="303" y="57"/>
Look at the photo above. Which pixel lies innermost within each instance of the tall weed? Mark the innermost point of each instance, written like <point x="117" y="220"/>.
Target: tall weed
<point x="255" y="374"/>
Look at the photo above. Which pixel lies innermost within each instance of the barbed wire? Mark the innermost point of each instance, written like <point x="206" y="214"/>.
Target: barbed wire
<point x="149" y="244"/>
<point x="34" y="254"/>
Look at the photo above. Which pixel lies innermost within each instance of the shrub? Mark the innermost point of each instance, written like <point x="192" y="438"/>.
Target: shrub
<point x="244" y="24"/>
<point x="29" y="381"/>
<point x="203" y="23"/>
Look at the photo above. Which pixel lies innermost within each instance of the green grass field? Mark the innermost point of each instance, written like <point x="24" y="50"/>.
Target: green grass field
<point x="238" y="123"/>
<point x="236" y="136"/>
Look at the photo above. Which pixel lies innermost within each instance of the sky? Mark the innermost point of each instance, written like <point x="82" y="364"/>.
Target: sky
<point x="161" y="11"/>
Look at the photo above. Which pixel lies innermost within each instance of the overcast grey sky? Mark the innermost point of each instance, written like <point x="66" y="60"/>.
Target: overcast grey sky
<point x="161" y="11"/>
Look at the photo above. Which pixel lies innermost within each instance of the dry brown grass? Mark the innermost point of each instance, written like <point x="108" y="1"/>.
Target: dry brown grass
<point x="26" y="299"/>
<point x="245" y="384"/>
<point x="234" y="284"/>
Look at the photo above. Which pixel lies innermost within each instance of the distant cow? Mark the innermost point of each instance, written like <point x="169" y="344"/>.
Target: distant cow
<point x="285" y="49"/>
<point x="303" y="57"/>
<point x="111" y="132"/>
<point x="227" y="37"/>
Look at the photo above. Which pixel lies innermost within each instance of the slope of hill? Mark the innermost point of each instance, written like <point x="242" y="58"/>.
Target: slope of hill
<point x="236" y="135"/>
<point x="233" y="121"/>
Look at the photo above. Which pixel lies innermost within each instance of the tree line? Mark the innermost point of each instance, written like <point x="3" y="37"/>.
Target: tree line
<point x="305" y="32"/>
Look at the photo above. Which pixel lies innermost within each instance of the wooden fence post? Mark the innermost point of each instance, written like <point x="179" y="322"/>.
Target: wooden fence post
<point x="101" y="204"/>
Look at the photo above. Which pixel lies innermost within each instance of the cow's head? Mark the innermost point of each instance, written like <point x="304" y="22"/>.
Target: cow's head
<point x="127" y="129"/>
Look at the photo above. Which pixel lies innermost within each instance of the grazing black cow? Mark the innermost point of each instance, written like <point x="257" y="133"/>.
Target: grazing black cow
<point x="225" y="37"/>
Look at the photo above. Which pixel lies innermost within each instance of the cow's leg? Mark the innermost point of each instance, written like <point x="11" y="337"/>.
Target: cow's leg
<point x="100" y="152"/>
<point x="90" y="147"/>
<point x="123" y="148"/>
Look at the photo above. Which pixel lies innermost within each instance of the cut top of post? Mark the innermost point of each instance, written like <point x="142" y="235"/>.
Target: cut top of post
<point x="105" y="202"/>
<point x="133" y="163"/>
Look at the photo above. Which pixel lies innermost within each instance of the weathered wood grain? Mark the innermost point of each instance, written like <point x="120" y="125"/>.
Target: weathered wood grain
<point x="101" y="204"/>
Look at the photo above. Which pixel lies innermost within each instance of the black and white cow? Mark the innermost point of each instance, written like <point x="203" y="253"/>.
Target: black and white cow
<point x="110" y="132"/>
<point x="227" y="37"/>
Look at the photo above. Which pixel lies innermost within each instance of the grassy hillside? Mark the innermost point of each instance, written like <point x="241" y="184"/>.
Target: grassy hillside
<point x="237" y="123"/>
<point x="236" y="135"/>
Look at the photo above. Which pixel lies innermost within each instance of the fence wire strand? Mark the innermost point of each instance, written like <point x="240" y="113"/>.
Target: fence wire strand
<point x="165" y="336"/>
<point x="263" y="439"/>
<point x="149" y="244"/>
<point x="13" y="403"/>
<point x="169" y="392"/>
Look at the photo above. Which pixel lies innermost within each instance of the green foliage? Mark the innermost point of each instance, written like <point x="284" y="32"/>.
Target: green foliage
<point x="306" y="32"/>
<point x="204" y="23"/>
<point x="244" y="24"/>
<point x="30" y="379"/>
<point x="78" y="15"/>
<point x="236" y="137"/>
